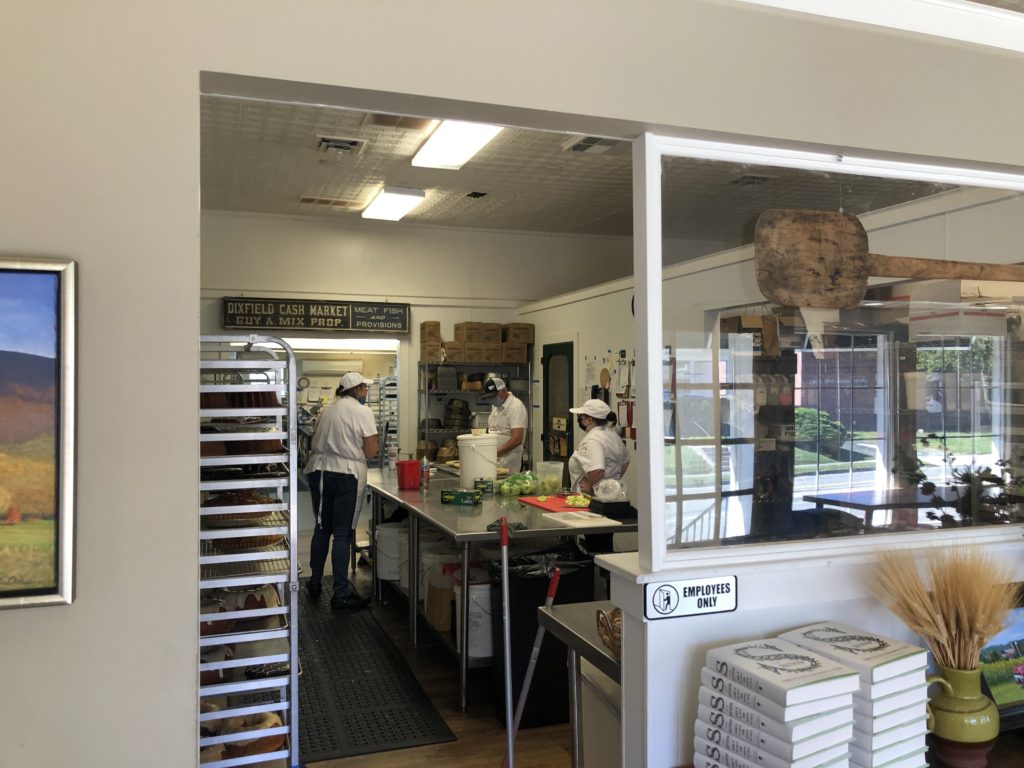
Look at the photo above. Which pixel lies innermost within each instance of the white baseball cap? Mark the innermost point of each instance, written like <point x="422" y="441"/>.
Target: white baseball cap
<point x="596" y="409"/>
<point x="352" y="380"/>
<point x="494" y="384"/>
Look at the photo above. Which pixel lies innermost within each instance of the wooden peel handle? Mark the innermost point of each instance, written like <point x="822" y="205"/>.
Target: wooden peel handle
<point x="937" y="269"/>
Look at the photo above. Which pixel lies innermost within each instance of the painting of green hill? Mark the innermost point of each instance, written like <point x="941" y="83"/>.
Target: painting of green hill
<point x="27" y="556"/>
<point x="28" y="475"/>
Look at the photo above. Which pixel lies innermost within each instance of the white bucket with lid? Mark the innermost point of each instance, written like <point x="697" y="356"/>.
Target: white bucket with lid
<point x="478" y="459"/>
<point x="389" y="550"/>
<point x="480" y="645"/>
<point x="435" y="554"/>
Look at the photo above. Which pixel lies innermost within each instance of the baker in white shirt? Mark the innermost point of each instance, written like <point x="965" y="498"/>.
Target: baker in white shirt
<point x="601" y="454"/>
<point x="508" y="419"/>
<point x="345" y="437"/>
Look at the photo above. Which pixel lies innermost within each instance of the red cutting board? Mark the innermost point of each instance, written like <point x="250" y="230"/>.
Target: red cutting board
<point x="551" y="504"/>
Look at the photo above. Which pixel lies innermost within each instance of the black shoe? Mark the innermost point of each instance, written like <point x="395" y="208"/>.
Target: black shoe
<point x="314" y="589"/>
<point x="353" y="602"/>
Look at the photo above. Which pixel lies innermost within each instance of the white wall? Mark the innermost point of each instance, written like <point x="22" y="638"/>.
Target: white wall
<point x="448" y="275"/>
<point x="100" y="163"/>
<point x="309" y="254"/>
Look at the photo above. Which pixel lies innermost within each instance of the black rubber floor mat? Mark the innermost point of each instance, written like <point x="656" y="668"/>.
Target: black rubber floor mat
<point x="356" y="693"/>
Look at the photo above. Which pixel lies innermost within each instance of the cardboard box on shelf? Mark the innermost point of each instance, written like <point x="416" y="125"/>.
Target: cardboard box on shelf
<point x="492" y="353"/>
<point x="474" y="352"/>
<point x="741" y="324"/>
<point x="469" y="332"/>
<point x="764" y="329"/>
<point x="491" y="333"/>
<point x="454" y="351"/>
<point x="430" y="330"/>
<point x="517" y="333"/>
<point x="514" y="352"/>
<point x="430" y="352"/>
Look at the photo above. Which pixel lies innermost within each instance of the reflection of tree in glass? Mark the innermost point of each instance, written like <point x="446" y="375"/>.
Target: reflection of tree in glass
<point x="980" y="495"/>
<point x="976" y="359"/>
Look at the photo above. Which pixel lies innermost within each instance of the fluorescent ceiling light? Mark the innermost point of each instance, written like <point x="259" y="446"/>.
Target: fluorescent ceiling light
<point x="392" y="203"/>
<point x="453" y="143"/>
<point x="310" y="344"/>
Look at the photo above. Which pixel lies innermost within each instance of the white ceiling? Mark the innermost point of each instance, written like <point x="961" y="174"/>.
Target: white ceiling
<point x="266" y="156"/>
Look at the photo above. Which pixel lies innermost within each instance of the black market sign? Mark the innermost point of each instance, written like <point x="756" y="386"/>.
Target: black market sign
<point x="306" y="315"/>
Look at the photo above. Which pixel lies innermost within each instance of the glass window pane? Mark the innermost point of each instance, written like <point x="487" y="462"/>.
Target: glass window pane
<point x="779" y="422"/>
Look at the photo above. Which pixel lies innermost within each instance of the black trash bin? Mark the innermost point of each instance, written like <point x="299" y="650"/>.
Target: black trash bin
<point x="548" y="699"/>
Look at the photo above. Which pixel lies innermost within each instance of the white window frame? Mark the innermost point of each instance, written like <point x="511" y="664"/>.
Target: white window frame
<point x="648" y="151"/>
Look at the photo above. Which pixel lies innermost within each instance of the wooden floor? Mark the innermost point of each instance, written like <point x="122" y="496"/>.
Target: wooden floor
<point x="480" y="740"/>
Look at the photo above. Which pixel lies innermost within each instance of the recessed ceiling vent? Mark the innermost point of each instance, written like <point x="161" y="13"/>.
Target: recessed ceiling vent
<point x="340" y="145"/>
<point x="332" y="202"/>
<point x="749" y="180"/>
<point x="592" y="145"/>
<point x="401" y="122"/>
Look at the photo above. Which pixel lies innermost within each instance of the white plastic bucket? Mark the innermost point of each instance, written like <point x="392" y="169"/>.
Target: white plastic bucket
<point x="389" y="551"/>
<point x="480" y="646"/>
<point x="434" y="554"/>
<point x="478" y="459"/>
<point x="403" y="557"/>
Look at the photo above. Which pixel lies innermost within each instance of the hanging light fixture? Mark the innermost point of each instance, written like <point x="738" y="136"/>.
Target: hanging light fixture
<point x="392" y="203"/>
<point x="453" y="143"/>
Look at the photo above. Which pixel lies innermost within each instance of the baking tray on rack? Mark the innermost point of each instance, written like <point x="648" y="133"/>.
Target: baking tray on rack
<point x="244" y="569"/>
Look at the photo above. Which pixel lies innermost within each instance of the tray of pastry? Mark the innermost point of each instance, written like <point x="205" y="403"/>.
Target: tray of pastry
<point x="243" y="568"/>
<point x="245" y="520"/>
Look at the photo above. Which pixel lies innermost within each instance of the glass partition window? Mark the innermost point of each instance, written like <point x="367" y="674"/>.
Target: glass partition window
<point x="781" y="423"/>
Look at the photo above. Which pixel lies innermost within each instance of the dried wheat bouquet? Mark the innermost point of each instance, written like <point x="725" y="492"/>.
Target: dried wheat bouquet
<point x="963" y="604"/>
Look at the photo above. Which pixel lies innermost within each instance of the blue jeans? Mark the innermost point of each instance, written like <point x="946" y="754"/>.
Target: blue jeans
<point x="339" y="506"/>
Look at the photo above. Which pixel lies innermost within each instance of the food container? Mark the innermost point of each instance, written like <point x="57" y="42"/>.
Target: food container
<point x="549" y="477"/>
<point x="478" y="458"/>
<point x="459" y="496"/>
<point x="408" y="474"/>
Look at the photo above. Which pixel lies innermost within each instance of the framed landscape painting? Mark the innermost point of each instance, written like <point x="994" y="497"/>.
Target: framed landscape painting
<point x="37" y="431"/>
<point x="1002" y="669"/>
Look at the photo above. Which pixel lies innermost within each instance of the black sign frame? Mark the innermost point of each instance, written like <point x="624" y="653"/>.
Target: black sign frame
<point x="253" y="312"/>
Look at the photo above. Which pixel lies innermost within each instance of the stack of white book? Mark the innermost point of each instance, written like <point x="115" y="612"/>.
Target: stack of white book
<point x="773" y="704"/>
<point x="889" y="715"/>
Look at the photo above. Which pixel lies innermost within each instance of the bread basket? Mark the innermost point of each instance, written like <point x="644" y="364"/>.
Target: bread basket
<point x="609" y="629"/>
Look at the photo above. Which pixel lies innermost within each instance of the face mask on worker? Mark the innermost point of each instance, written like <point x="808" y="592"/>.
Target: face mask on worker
<point x="579" y="422"/>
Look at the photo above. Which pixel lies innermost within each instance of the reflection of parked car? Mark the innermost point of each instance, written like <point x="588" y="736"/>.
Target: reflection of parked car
<point x="1018" y="674"/>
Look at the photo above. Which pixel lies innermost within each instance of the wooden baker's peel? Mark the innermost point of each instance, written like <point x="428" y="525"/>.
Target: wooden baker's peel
<point x="820" y="259"/>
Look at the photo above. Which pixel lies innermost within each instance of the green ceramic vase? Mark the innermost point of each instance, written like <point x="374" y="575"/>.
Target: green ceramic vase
<point x="964" y="723"/>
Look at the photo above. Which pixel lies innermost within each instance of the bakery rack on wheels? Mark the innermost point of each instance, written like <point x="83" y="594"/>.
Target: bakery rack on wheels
<point x="248" y="577"/>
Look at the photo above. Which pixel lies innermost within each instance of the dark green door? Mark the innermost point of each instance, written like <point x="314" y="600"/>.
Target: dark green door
<point x="557" y="386"/>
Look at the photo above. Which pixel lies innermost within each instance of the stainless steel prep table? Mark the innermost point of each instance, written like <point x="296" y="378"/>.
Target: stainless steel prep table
<point x="575" y="624"/>
<point x="464" y="525"/>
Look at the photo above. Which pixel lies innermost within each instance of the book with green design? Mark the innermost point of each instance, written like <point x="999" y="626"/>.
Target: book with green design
<point x="875" y="656"/>
<point x="782" y="670"/>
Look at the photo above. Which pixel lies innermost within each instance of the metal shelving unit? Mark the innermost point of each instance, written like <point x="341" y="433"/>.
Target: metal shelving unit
<point x="383" y="401"/>
<point x="248" y="575"/>
<point x="433" y="400"/>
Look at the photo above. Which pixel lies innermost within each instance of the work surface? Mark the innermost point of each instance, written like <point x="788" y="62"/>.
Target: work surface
<point x="882" y="499"/>
<point x="469" y="523"/>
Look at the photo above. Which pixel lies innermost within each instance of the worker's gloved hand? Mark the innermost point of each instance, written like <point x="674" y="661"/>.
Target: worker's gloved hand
<point x="496" y="525"/>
